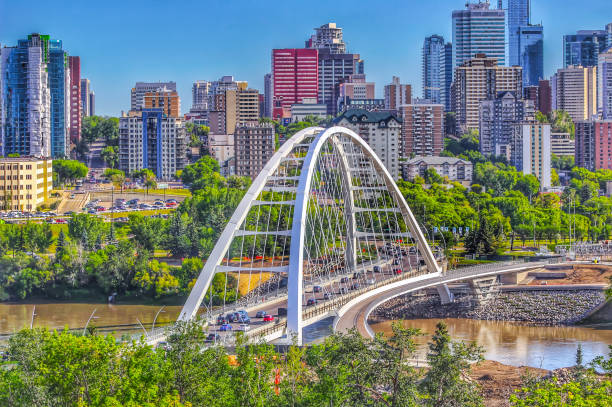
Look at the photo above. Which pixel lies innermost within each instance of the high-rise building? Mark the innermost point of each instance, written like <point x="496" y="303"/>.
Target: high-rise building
<point x="479" y="30"/>
<point x="85" y="86"/>
<point x="59" y="86"/>
<point x="594" y="144"/>
<point x="148" y="138"/>
<point x="609" y="31"/>
<point x="531" y="53"/>
<point x="478" y="79"/>
<point x="499" y="119"/>
<point x="199" y="95"/>
<point x="576" y="91"/>
<point x="583" y="48"/>
<point x="254" y="144"/>
<point x="232" y="108"/>
<point x="397" y="94"/>
<point x="74" y="64"/>
<point x="604" y="72"/>
<point x="335" y="69"/>
<point x="327" y="36"/>
<point x="518" y="16"/>
<point x="92" y="103"/>
<point x="525" y="42"/>
<point x="544" y="97"/>
<point x="33" y="97"/>
<point x="422" y="129"/>
<point x="355" y="88"/>
<point x="532" y="152"/>
<point x="381" y="130"/>
<point x="295" y="76"/>
<point x="268" y="95"/>
<point x="166" y="100"/>
<point x="432" y="68"/>
<point x="141" y="88"/>
<point x="446" y="75"/>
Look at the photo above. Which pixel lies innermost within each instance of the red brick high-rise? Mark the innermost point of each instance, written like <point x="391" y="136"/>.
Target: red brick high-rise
<point x="74" y="63"/>
<point x="594" y="144"/>
<point x="295" y="76"/>
<point x="544" y="97"/>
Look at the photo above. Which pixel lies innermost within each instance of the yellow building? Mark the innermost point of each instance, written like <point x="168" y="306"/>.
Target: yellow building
<point x="25" y="183"/>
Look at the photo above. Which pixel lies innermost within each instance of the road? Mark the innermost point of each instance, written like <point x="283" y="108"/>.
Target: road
<point x="356" y="316"/>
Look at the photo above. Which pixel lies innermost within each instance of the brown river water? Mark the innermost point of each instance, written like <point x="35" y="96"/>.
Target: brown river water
<point x="505" y="342"/>
<point x="516" y="344"/>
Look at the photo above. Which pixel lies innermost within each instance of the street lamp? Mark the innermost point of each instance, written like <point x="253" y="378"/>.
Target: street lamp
<point x="155" y="319"/>
<point x="90" y="318"/>
<point x="33" y="314"/>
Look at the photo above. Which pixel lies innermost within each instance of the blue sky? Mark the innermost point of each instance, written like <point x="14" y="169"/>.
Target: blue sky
<point x="121" y="42"/>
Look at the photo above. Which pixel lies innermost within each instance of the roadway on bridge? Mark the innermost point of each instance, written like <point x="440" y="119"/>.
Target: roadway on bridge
<point x="355" y="315"/>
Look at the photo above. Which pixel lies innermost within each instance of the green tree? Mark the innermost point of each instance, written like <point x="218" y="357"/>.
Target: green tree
<point x="444" y="382"/>
<point x="110" y="155"/>
<point x="69" y="170"/>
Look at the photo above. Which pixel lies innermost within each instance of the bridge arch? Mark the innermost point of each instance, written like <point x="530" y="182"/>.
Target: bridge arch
<point x="347" y="214"/>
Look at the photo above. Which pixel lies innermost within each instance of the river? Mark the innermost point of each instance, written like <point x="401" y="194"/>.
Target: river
<point x="505" y="342"/>
<point x="516" y="344"/>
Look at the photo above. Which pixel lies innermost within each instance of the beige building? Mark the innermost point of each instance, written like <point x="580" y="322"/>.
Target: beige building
<point x="481" y="78"/>
<point x="25" y="183"/>
<point x="561" y="144"/>
<point x="221" y="146"/>
<point x="455" y="169"/>
<point x="575" y="91"/>
<point x="234" y="107"/>
<point x="531" y="153"/>
<point x="381" y="130"/>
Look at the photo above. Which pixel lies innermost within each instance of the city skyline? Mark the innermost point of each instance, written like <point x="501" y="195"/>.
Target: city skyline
<point x="106" y="37"/>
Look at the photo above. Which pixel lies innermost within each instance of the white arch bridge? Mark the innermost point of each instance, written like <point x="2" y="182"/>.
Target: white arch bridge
<point x="322" y="227"/>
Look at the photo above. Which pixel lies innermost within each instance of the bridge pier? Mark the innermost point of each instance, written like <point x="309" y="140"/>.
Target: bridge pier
<point x="446" y="297"/>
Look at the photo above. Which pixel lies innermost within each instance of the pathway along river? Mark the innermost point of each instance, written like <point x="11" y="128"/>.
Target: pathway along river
<point x="505" y="342"/>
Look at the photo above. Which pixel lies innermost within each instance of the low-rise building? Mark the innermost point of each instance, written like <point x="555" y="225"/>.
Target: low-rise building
<point x="254" y="145"/>
<point x="150" y="139"/>
<point x="348" y="103"/>
<point x="308" y="107"/>
<point x="561" y="144"/>
<point x="454" y="168"/>
<point x="25" y="183"/>
<point x="381" y="130"/>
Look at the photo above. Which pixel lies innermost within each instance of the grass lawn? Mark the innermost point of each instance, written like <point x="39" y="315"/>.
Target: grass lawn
<point x="244" y="285"/>
<point x="143" y="213"/>
<point x="168" y="192"/>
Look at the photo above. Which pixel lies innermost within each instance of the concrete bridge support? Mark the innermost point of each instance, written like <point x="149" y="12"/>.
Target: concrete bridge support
<point x="446" y="297"/>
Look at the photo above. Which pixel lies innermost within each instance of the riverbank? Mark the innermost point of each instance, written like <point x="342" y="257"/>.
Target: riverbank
<point x="559" y="307"/>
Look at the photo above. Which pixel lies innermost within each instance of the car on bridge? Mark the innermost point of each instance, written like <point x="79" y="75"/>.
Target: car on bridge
<point x="261" y="314"/>
<point x="221" y="320"/>
<point x="328" y="296"/>
<point x="355" y="286"/>
<point x="344" y="280"/>
<point x="397" y="271"/>
<point x="311" y="301"/>
<point x="268" y="318"/>
<point x="317" y="289"/>
<point x="343" y="290"/>
<point x="377" y="269"/>
<point x="225" y="327"/>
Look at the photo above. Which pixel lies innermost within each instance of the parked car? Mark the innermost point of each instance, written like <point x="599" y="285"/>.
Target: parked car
<point x="100" y="209"/>
<point x="72" y="196"/>
<point x="68" y="213"/>
<point x="213" y="337"/>
<point x="260" y="314"/>
<point x="133" y="201"/>
<point x="311" y="301"/>
<point x="268" y="318"/>
<point x="317" y="289"/>
<point x="225" y="327"/>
